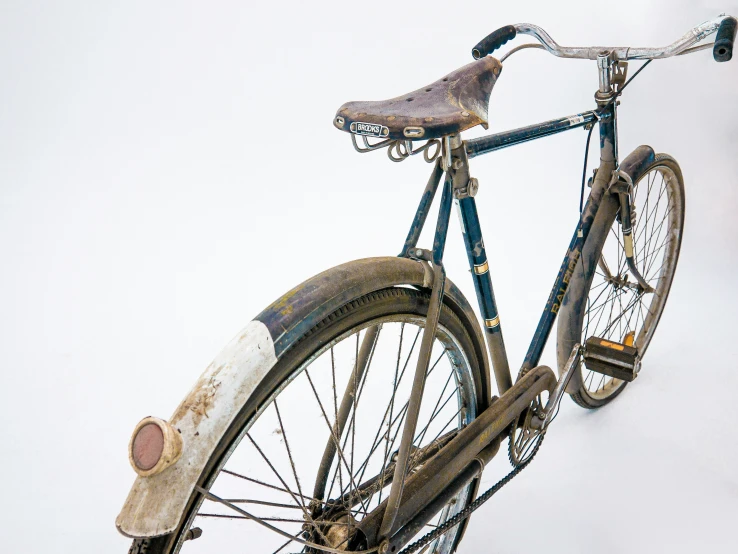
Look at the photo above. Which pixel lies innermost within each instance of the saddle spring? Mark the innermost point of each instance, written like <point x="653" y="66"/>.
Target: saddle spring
<point x="399" y="150"/>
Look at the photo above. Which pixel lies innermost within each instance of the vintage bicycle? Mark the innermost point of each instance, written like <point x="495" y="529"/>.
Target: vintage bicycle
<point x="356" y="412"/>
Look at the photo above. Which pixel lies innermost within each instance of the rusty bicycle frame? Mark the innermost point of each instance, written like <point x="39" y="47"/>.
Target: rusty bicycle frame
<point x="412" y="501"/>
<point x="453" y="461"/>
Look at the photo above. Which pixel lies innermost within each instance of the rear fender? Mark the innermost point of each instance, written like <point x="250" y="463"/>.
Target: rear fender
<point x="157" y="503"/>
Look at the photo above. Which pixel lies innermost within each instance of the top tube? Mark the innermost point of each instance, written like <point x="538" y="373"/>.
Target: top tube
<point x="622" y="52"/>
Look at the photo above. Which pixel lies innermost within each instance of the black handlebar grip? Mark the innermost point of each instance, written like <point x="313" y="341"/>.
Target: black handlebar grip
<point x="493" y="41"/>
<point x="723" y="49"/>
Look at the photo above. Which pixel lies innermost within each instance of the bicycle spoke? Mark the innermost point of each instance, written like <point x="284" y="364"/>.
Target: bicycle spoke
<point x="622" y="313"/>
<point x="391" y="408"/>
<point x="400" y="414"/>
<point x="332" y="432"/>
<point x="421" y="435"/>
<point x="284" y="484"/>
<point x="603" y="307"/>
<point x="657" y="249"/>
<point x="605" y="302"/>
<point x="376" y="437"/>
<point x="655" y="235"/>
<point x="277" y="530"/>
<point x="274" y="494"/>
<point x="287" y="543"/>
<point x="262" y="483"/>
<point x="356" y="398"/>
<point x="287" y="446"/>
<point x="657" y="271"/>
<point x="232" y="516"/>
<point x="261" y="503"/>
<point x="335" y="411"/>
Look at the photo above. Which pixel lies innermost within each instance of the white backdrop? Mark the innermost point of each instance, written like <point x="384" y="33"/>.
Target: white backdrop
<point x="167" y="169"/>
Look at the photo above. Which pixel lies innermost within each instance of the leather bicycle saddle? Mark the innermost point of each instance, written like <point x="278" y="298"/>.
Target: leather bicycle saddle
<point x="452" y="104"/>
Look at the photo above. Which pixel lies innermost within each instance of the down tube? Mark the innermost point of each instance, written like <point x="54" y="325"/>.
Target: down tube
<point x="566" y="271"/>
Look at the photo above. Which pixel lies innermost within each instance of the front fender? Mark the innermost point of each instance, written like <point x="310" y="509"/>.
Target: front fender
<point x="575" y="301"/>
<point x="156" y="504"/>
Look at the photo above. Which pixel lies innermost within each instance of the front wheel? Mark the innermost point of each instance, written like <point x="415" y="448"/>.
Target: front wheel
<point x="318" y="455"/>
<point x="604" y="299"/>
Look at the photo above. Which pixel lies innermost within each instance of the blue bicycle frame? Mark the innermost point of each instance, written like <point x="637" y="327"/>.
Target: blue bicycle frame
<point x="455" y="185"/>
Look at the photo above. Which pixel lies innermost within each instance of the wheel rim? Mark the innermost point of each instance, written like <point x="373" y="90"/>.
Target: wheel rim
<point x="272" y="467"/>
<point x="616" y="309"/>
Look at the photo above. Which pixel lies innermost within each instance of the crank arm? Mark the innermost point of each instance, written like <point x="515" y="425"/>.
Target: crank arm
<point x="552" y="406"/>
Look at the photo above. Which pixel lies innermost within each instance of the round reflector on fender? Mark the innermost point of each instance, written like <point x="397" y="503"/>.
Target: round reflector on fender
<point x="148" y="445"/>
<point x="154" y="446"/>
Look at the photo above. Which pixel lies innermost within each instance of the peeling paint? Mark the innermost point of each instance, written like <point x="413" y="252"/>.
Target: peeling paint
<point x="155" y="503"/>
<point x="200" y="398"/>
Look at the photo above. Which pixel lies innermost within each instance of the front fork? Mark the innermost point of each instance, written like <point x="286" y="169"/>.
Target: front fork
<point x="622" y="185"/>
<point x="612" y="74"/>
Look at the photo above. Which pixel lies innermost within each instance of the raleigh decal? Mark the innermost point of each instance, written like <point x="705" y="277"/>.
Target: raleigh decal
<point x="568" y="270"/>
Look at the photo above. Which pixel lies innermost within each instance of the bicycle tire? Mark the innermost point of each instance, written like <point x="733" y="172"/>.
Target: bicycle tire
<point x="388" y="307"/>
<point x="605" y="241"/>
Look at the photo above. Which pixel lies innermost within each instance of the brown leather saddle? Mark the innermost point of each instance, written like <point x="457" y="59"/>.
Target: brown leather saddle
<point x="452" y="104"/>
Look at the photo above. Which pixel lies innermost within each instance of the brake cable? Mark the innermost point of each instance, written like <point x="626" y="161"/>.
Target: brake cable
<point x="589" y="135"/>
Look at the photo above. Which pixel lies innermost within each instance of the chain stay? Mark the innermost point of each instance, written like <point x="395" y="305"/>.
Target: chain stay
<point x="466" y="512"/>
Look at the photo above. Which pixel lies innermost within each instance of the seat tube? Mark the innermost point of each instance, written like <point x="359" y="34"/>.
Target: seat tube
<point x="485" y="294"/>
<point x="464" y="188"/>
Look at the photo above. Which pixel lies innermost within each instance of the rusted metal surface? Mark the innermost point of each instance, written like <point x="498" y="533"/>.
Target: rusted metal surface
<point x="298" y="310"/>
<point x="478" y="263"/>
<point x="570" y="312"/>
<point x="439" y="471"/>
<point x="679" y="46"/>
<point x="497" y="141"/>
<point x="637" y="161"/>
<point x="156" y="503"/>
<point x="452" y="104"/>
<point x="423" y="209"/>
<point x="416" y="394"/>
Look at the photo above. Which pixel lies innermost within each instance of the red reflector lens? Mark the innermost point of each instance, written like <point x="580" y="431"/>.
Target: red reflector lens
<point x="148" y="445"/>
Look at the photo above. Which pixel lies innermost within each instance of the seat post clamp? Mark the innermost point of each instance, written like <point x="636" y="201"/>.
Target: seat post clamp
<point x="469" y="191"/>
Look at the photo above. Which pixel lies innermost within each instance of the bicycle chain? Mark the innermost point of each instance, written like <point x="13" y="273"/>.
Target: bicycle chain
<point x="466" y="512"/>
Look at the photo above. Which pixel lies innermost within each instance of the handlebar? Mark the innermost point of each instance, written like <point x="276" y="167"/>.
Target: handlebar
<point x="493" y="41"/>
<point x="725" y="26"/>
<point x="723" y="49"/>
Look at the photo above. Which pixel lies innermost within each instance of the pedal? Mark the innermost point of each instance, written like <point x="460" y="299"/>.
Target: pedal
<point x="612" y="358"/>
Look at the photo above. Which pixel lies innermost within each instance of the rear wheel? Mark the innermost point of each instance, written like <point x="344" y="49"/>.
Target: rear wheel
<point x="293" y="467"/>
<point x="612" y="306"/>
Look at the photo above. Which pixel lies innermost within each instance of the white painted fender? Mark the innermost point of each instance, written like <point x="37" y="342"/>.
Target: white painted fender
<point x="156" y="503"/>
